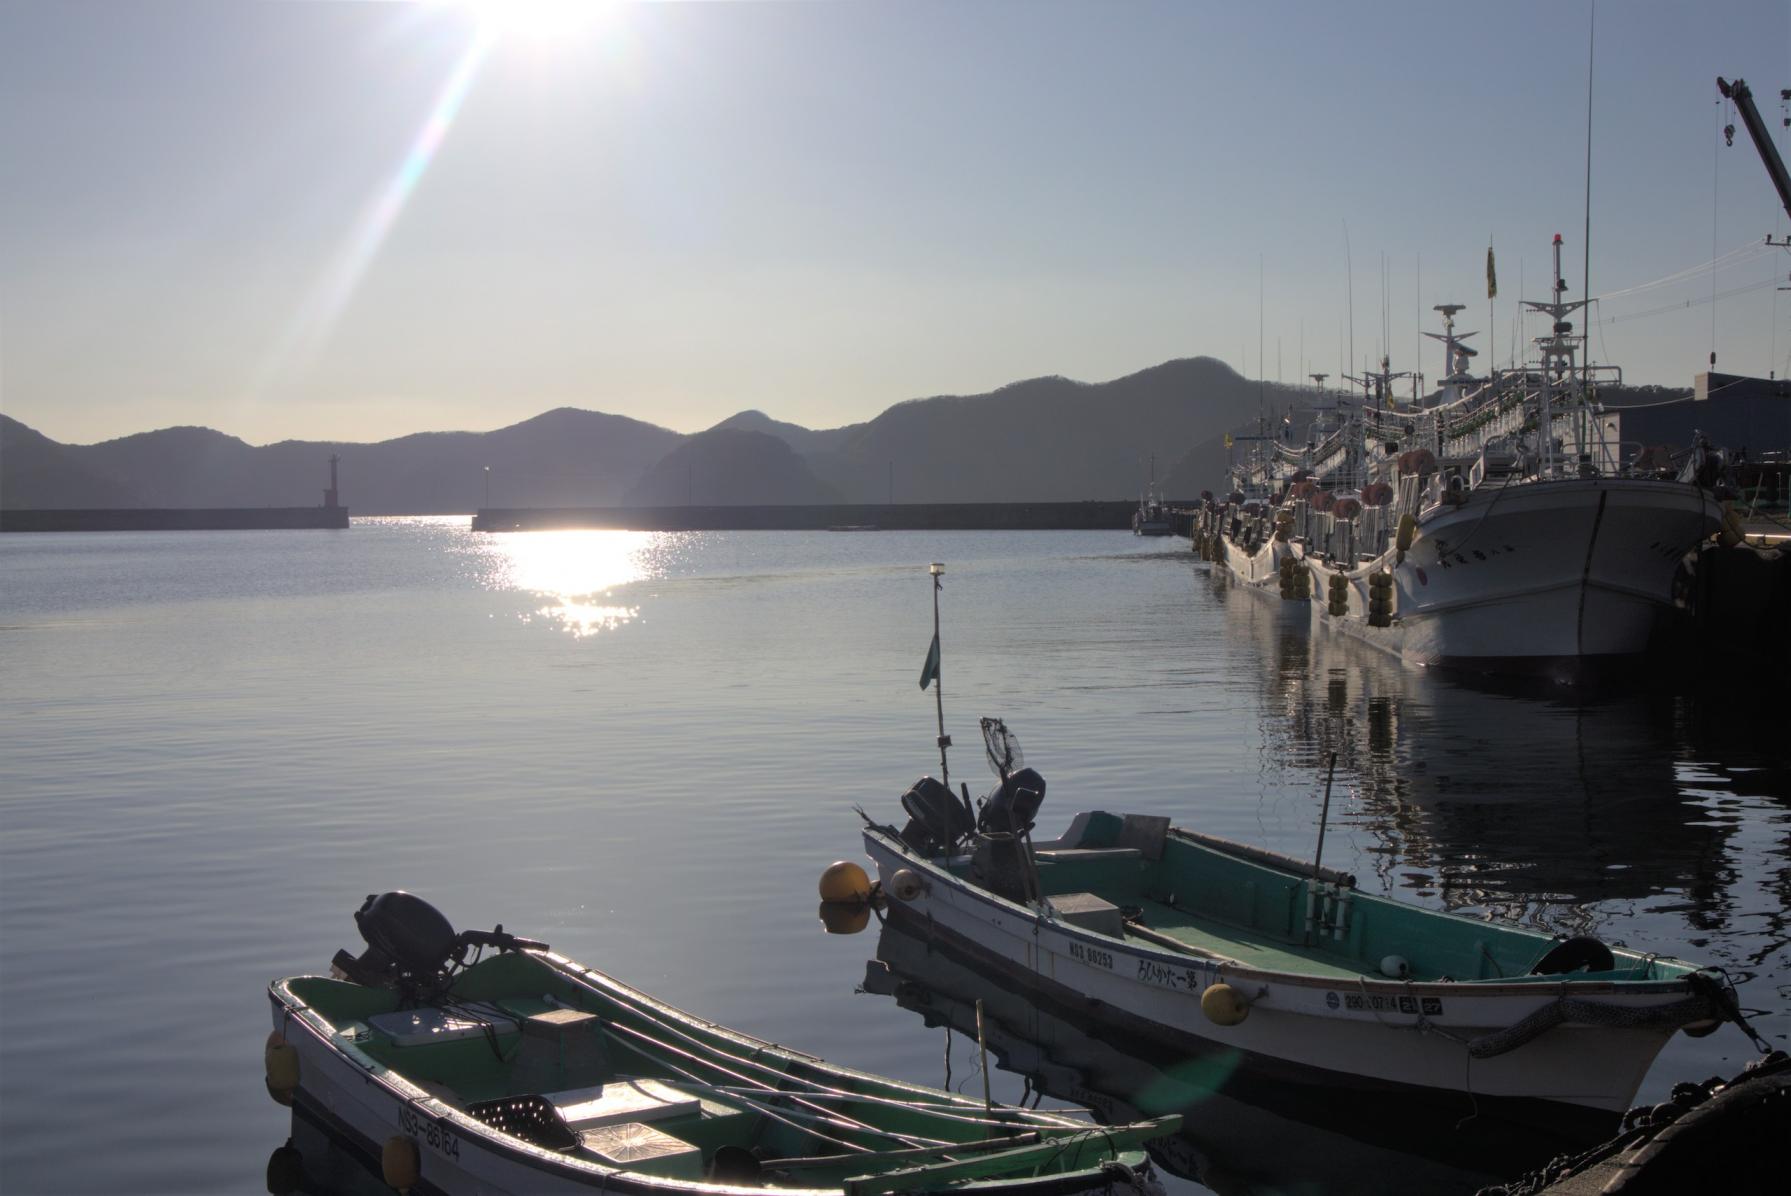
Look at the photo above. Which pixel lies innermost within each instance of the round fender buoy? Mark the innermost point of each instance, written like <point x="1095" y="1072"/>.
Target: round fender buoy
<point x="906" y="884"/>
<point x="1581" y="953"/>
<point x="281" y="1060"/>
<point x="1395" y="967"/>
<point x="1224" y="1005"/>
<point x="400" y="1163"/>
<point x="845" y="881"/>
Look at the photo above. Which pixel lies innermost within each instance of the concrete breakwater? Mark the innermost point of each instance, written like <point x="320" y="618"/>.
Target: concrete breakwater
<point x="176" y="519"/>
<point x="1016" y="516"/>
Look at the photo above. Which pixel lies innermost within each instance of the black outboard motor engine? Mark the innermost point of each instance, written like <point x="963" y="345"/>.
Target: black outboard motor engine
<point x="410" y="945"/>
<point x="937" y="821"/>
<point x="1014" y="803"/>
<point x="412" y="948"/>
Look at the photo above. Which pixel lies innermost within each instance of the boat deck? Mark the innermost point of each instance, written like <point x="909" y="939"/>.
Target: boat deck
<point x="1250" y="947"/>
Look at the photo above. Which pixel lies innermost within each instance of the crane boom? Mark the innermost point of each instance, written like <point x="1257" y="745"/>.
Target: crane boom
<point x="1756" y="128"/>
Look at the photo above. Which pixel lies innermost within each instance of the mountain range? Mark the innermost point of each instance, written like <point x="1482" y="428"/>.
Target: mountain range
<point x="1045" y="439"/>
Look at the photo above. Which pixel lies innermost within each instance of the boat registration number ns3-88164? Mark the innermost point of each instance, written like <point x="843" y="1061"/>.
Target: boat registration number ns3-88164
<point x="437" y="1134"/>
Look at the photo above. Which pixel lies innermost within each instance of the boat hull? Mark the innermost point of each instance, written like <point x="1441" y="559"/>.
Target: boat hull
<point x="364" y="1105"/>
<point x="1524" y="578"/>
<point x="1330" y="1032"/>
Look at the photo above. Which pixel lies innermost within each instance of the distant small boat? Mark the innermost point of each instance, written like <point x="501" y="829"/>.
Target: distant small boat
<point x="1210" y="946"/>
<point x="521" y="1071"/>
<point x="1152" y="516"/>
<point x="853" y="527"/>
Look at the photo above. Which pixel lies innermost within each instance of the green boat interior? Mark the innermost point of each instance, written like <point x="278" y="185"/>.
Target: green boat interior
<point x="1137" y="878"/>
<point x="593" y="1070"/>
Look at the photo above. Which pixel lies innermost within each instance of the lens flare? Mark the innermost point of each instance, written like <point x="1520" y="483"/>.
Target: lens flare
<point x="324" y="305"/>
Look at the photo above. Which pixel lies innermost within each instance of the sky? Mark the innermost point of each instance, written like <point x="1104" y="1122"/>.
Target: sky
<point x="357" y="220"/>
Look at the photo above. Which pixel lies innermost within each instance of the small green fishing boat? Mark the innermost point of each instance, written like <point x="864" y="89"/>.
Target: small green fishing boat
<point x="517" y="1070"/>
<point x="1217" y="948"/>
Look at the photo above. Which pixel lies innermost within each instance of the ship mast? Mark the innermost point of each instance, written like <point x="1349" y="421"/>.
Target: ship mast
<point x="1558" y="349"/>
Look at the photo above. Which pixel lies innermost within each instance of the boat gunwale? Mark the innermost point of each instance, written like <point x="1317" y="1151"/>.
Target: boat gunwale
<point x="1237" y="969"/>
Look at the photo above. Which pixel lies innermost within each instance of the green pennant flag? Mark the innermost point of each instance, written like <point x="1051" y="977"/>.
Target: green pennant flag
<point x="929" y="672"/>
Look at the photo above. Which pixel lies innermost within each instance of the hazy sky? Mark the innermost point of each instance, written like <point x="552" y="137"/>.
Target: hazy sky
<point x="357" y="220"/>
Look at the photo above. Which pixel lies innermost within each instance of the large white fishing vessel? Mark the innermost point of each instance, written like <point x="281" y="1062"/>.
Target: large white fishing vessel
<point x="1500" y="525"/>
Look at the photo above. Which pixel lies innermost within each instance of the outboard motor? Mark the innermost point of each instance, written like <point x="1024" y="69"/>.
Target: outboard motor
<point x="411" y="947"/>
<point x="937" y="821"/>
<point x="409" y="943"/>
<point x="1013" y="804"/>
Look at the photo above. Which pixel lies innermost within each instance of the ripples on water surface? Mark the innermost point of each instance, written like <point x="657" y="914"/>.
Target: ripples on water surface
<point x="643" y="748"/>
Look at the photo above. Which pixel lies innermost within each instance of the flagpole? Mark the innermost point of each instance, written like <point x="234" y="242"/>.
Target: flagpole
<point x="937" y="569"/>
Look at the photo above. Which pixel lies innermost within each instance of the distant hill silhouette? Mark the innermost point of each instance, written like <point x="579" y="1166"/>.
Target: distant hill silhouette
<point x="1044" y="439"/>
<point x="806" y="441"/>
<point x="564" y="457"/>
<point x="730" y="467"/>
<point x="1038" y="440"/>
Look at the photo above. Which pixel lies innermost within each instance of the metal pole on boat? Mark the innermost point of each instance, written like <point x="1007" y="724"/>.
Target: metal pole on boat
<point x="937" y="569"/>
<point x="1324" y="816"/>
<point x="982" y="1046"/>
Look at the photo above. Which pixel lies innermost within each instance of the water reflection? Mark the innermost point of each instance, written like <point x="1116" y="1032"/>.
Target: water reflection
<point x="1531" y="805"/>
<point x="577" y="572"/>
<point x="1238" y="1135"/>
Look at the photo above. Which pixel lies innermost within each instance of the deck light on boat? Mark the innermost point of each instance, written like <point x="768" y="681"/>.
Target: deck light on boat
<point x="1224" y="1005"/>
<point x="846" y="882"/>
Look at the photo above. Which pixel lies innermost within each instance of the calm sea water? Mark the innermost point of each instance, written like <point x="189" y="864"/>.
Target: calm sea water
<point x="644" y="747"/>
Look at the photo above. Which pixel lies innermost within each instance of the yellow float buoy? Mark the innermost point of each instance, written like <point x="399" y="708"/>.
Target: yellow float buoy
<point x="400" y="1163"/>
<point x="845" y="881"/>
<point x="1224" y="1005"/>
<point x="280" y="1058"/>
<point x="1408" y="531"/>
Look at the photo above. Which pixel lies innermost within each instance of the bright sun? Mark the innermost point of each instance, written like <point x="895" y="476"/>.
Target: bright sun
<point x="543" y="20"/>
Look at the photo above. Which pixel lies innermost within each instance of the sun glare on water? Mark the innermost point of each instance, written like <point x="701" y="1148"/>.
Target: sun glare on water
<point x="576" y="572"/>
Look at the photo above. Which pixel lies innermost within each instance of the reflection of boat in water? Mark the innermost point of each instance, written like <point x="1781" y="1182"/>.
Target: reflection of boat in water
<point x="521" y="1071"/>
<point x="1215" y="947"/>
<point x="1528" y="803"/>
<point x="1240" y="1133"/>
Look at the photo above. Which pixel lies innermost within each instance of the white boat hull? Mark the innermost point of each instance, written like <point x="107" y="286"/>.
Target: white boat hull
<point x="362" y="1105"/>
<point x="1326" y="1032"/>
<point x="1522" y="576"/>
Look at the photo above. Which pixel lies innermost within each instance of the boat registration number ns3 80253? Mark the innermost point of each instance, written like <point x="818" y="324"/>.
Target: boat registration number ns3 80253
<point x="439" y="1135"/>
<point x="1091" y="955"/>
